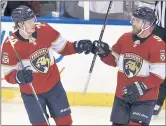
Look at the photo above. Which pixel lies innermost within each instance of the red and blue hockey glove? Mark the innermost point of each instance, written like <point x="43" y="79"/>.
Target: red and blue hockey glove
<point x="24" y="76"/>
<point x="102" y="49"/>
<point x="134" y="91"/>
<point x="83" y="46"/>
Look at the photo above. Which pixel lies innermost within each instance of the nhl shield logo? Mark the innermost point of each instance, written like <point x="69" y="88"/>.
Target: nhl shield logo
<point x="132" y="64"/>
<point x="40" y="60"/>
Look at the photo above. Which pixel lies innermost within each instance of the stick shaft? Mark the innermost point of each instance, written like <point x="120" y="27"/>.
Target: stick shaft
<point x="94" y="57"/>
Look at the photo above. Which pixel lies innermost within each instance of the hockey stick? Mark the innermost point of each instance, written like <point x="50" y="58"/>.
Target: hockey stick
<point x="33" y="90"/>
<point x="94" y="57"/>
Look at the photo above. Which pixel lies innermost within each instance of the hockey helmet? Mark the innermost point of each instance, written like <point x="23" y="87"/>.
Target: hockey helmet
<point x="145" y="13"/>
<point x="22" y="13"/>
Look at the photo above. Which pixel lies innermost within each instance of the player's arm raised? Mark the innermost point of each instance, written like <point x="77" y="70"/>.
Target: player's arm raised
<point x="108" y="55"/>
<point x="65" y="47"/>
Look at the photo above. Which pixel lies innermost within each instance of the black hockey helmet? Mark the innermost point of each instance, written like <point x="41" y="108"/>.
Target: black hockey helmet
<point x="145" y="13"/>
<point x="22" y="13"/>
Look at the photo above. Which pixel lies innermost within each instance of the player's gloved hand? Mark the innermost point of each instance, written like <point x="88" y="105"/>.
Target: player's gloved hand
<point x="102" y="49"/>
<point x="24" y="76"/>
<point x="83" y="46"/>
<point x="134" y="91"/>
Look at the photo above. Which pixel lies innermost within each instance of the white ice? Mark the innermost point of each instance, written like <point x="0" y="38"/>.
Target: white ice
<point x="15" y="114"/>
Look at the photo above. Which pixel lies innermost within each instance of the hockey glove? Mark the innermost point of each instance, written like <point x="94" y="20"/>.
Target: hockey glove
<point x="134" y="91"/>
<point x="102" y="49"/>
<point x="24" y="76"/>
<point x="83" y="46"/>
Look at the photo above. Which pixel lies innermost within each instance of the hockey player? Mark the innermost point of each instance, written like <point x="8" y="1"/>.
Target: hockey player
<point x="159" y="30"/>
<point x="34" y="43"/>
<point x="140" y="58"/>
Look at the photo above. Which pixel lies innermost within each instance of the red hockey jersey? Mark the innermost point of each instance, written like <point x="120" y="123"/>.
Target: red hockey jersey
<point x="38" y="55"/>
<point x="142" y="62"/>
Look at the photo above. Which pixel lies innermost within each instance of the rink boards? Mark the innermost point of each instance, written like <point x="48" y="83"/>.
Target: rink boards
<point x="75" y="68"/>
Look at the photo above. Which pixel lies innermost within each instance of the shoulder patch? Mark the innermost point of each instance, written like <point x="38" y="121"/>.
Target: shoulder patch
<point x="5" y="58"/>
<point x="162" y="55"/>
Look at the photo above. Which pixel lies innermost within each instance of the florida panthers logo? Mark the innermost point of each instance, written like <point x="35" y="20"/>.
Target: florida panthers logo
<point x="40" y="60"/>
<point x="132" y="64"/>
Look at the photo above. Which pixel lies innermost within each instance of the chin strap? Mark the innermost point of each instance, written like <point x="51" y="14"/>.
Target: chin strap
<point x="143" y="29"/>
<point x="23" y="30"/>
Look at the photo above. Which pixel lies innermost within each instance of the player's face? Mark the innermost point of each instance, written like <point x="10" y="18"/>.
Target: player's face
<point x="136" y="25"/>
<point x="30" y="25"/>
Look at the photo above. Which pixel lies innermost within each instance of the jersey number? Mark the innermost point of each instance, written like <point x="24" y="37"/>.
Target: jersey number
<point x="157" y="38"/>
<point x="38" y="25"/>
<point x="12" y="40"/>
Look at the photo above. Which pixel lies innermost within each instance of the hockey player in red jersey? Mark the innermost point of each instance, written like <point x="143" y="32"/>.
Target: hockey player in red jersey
<point x="34" y="43"/>
<point x="140" y="58"/>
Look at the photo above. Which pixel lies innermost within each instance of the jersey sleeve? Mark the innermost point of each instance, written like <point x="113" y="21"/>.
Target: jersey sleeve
<point x="59" y="43"/>
<point x="157" y="66"/>
<point x="113" y="58"/>
<point x="9" y="62"/>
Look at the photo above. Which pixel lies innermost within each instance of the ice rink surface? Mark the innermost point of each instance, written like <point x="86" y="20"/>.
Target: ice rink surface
<point x="15" y="114"/>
